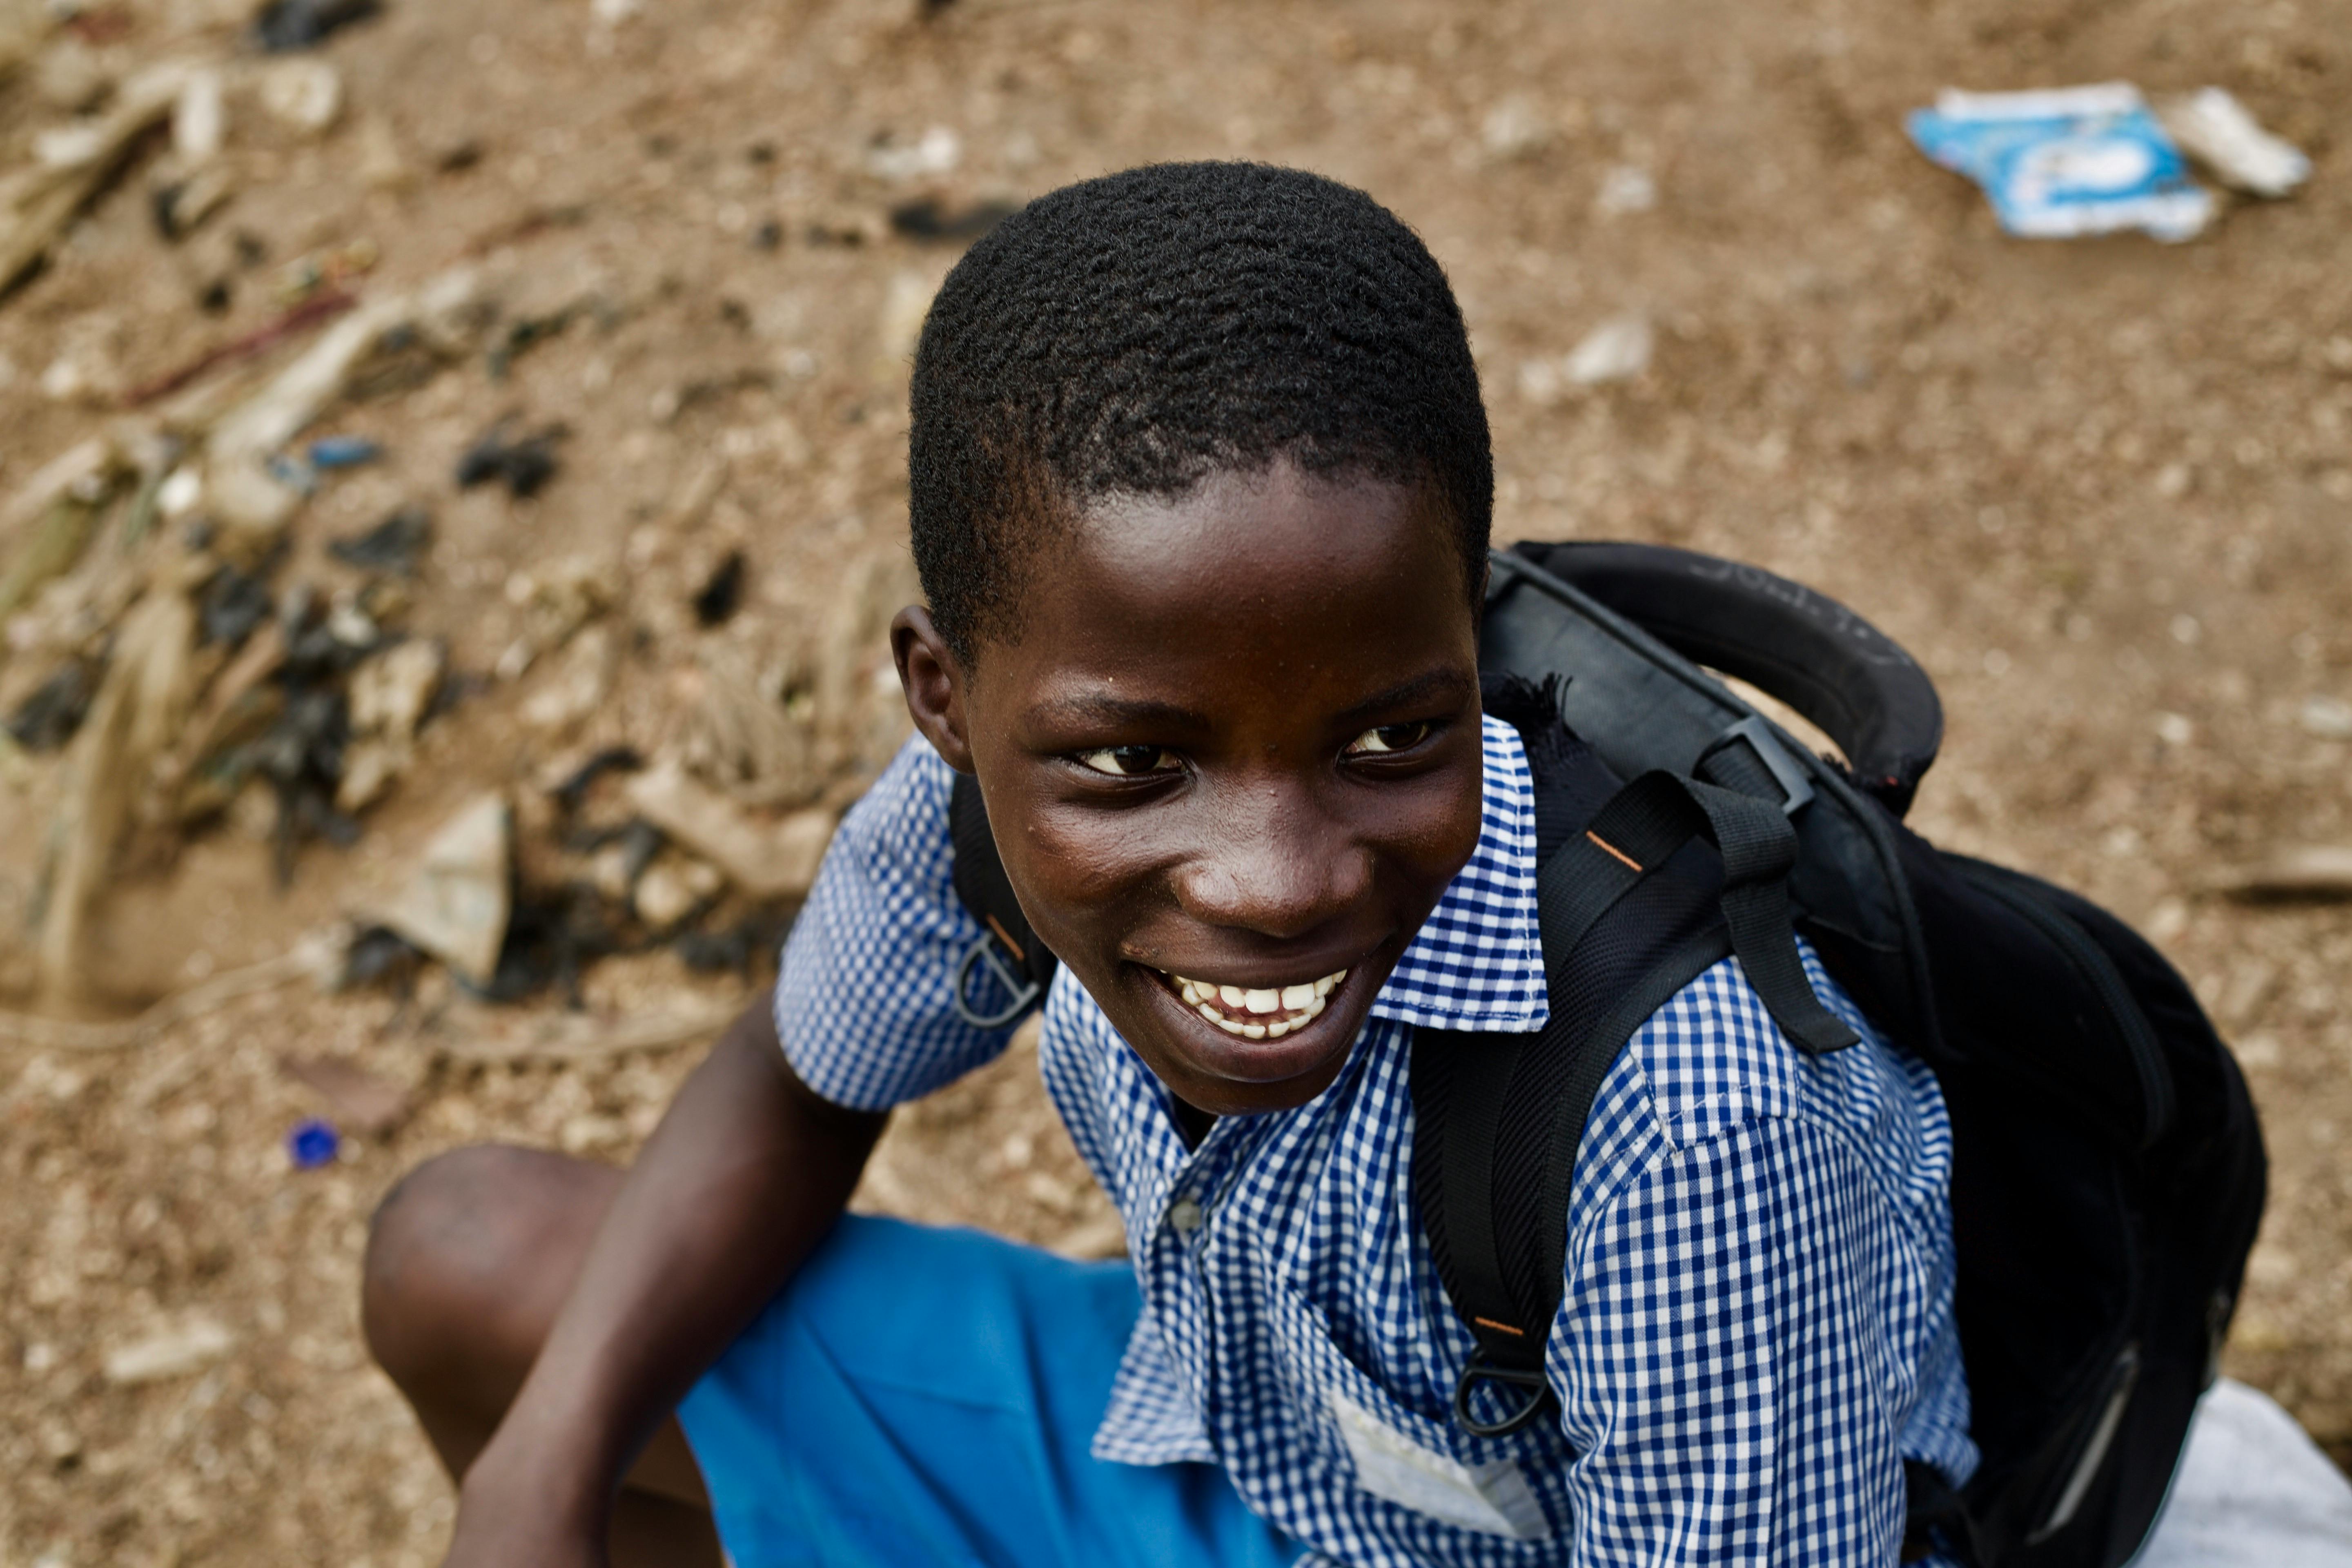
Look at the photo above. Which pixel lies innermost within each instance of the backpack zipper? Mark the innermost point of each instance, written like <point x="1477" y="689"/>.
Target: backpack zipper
<point x="2023" y="895"/>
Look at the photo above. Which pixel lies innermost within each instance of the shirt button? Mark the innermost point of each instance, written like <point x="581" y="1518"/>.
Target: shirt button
<point x="1184" y="1216"/>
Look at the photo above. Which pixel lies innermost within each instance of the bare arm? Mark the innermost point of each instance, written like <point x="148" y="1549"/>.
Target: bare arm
<point x="745" y="1174"/>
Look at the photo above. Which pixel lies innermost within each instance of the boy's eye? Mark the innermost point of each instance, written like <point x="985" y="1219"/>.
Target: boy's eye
<point x="1388" y="738"/>
<point x="1129" y="761"/>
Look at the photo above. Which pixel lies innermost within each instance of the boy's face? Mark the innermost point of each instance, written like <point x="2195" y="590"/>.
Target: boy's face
<point x="1232" y="762"/>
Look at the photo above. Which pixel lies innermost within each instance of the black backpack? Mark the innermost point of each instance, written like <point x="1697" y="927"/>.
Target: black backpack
<point x="2107" y="1171"/>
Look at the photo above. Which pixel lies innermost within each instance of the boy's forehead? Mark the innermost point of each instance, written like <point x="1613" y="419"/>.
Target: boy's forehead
<point x="1293" y="565"/>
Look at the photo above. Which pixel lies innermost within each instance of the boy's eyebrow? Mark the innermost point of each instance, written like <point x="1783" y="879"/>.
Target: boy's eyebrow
<point x="1104" y="710"/>
<point x="1448" y="683"/>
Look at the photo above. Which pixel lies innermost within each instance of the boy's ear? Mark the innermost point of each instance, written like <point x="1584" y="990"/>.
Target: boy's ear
<point x="933" y="683"/>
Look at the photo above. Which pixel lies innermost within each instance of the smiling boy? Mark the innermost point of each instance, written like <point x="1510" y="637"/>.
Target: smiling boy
<point x="1200" y="495"/>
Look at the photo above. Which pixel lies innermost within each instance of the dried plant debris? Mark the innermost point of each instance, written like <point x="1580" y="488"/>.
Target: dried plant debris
<point x="47" y="719"/>
<point x="392" y="545"/>
<point x="523" y="464"/>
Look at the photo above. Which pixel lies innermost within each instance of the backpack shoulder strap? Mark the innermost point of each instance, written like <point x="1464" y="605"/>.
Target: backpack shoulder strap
<point x="1008" y="950"/>
<point x="1664" y="879"/>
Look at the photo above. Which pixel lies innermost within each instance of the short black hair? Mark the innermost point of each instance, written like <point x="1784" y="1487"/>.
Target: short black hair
<point x="1134" y="333"/>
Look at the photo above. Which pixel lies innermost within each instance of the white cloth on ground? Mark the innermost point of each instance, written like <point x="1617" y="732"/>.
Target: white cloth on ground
<point x="2252" y="1491"/>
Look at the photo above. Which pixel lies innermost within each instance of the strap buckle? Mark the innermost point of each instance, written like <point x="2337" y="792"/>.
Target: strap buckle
<point x="1481" y="1371"/>
<point x="1023" y="991"/>
<point x="1795" y="789"/>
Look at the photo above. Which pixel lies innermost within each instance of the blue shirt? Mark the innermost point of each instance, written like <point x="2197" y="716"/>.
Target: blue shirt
<point x="1757" y="1326"/>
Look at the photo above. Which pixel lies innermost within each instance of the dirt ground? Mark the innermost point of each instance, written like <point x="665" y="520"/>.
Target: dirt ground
<point x="2102" y="488"/>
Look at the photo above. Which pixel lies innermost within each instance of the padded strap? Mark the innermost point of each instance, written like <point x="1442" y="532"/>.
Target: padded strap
<point x="1660" y="812"/>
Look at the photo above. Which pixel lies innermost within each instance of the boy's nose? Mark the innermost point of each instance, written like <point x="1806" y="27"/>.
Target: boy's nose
<point x="1272" y="864"/>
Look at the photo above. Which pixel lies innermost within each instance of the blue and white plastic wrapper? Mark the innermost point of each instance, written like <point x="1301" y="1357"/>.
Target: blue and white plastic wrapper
<point x="2067" y="161"/>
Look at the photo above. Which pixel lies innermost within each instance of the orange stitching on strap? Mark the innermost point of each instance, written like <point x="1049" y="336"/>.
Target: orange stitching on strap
<point x="1506" y="1327"/>
<point x="1613" y="851"/>
<point x="1020" y="957"/>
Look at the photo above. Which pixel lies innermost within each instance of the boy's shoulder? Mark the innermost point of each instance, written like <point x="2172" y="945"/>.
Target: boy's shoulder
<point x="1711" y="1065"/>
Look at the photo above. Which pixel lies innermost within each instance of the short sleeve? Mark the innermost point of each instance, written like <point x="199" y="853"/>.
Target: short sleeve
<point x="864" y="997"/>
<point x="1737" y="1391"/>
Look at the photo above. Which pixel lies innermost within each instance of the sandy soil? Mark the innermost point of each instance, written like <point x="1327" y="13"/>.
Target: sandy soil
<point x="2101" y="489"/>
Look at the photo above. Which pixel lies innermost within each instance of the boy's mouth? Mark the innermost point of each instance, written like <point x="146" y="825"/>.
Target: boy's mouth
<point x="1255" y="1013"/>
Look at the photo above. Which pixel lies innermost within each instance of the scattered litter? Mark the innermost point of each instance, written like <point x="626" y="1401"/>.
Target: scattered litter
<point x="768" y="859"/>
<point x="195" y="1342"/>
<point x="523" y="465"/>
<point x="2313" y="871"/>
<point x="311" y="1145"/>
<point x="392" y="545"/>
<point x="2065" y="162"/>
<point x="286" y="25"/>
<point x="342" y="452"/>
<point x="2216" y="129"/>
<point x="231" y="604"/>
<point x="721" y="595"/>
<point x="2329" y="718"/>
<point x="931" y="219"/>
<point x="457" y="902"/>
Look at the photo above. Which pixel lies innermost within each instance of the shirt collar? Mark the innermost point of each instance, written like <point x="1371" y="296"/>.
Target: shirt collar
<point x="1477" y="961"/>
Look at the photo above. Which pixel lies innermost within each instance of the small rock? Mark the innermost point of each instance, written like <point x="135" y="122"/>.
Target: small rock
<point x="2329" y="718"/>
<point x="1626" y="189"/>
<point x="197" y="1340"/>
<point x="578" y="686"/>
<point x="307" y="95"/>
<point x="938" y="152"/>
<point x="667" y="892"/>
<point x="1617" y="349"/>
<point x="1514" y="128"/>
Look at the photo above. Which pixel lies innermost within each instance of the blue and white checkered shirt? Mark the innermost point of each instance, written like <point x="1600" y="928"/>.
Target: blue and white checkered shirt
<point x="1757" y="1328"/>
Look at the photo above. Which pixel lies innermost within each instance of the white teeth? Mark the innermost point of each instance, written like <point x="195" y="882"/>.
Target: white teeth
<point x="1254" y="1013"/>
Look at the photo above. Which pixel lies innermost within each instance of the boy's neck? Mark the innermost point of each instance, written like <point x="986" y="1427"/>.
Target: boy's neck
<point x="1192" y="1124"/>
